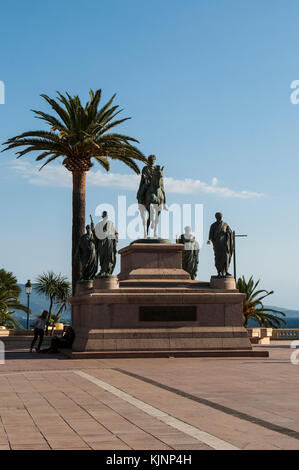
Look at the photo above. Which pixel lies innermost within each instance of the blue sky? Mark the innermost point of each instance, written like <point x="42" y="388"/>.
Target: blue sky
<point x="207" y="84"/>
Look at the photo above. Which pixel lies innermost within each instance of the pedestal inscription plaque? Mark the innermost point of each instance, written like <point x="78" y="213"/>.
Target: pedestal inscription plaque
<point x="167" y="313"/>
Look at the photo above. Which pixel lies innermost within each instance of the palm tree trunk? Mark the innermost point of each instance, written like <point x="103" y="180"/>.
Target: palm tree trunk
<point x="78" y="227"/>
<point x="49" y="314"/>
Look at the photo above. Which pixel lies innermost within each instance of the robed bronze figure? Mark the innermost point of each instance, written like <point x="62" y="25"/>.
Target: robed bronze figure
<point x="190" y="255"/>
<point x="222" y="238"/>
<point x="107" y="238"/>
<point x="87" y="253"/>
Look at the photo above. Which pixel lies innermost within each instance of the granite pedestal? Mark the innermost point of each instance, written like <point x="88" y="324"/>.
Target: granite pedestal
<point x="153" y="308"/>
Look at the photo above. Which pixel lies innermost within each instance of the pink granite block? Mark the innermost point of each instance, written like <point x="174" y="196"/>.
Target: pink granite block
<point x="236" y="343"/>
<point x="210" y="314"/>
<point x="143" y="344"/>
<point x="233" y="314"/>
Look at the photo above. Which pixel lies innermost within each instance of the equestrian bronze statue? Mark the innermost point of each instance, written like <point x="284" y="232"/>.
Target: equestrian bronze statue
<point x="151" y="195"/>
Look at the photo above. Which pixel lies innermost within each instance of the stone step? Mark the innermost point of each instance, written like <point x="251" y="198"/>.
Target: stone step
<point x="23" y="342"/>
<point x="148" y="284"/>
<point x="163" y="353"/>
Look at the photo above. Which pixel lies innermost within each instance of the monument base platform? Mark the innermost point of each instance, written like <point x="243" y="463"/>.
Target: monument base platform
<point x="154" y="309"/>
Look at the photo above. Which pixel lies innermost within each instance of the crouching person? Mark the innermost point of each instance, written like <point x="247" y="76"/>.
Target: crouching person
<point x="65" y="342"/>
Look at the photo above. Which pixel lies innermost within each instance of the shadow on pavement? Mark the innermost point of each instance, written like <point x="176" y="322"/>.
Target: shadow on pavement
<point x="28" y="355"/>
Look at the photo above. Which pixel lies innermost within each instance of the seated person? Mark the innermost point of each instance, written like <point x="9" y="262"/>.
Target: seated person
<point x="64" y="342"/>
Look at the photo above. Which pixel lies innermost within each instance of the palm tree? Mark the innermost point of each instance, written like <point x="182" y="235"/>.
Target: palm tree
<point x="9" y="282"/>
<point x="56" y="288"/>
<point x="253" y="306"/>
<point x="79" y="133"/>
<point x="9" y="300"/>
<point x="62" y="301"/>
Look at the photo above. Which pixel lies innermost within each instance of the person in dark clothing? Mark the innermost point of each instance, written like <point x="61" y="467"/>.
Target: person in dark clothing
<point x="64" y="342"/>
<point x="39" y="327"/>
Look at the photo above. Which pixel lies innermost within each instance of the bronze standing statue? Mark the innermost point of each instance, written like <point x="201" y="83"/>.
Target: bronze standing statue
<point x="107" y="238"/>
<point x="222" y="238"/>
<point x="151" y="195"/>
<point x="190" y="254"/>
<point x="87" y="253"/>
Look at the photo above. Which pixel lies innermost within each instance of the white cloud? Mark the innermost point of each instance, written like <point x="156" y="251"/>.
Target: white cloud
<point x="113" y="180"/>
<point x="54" y="175"/>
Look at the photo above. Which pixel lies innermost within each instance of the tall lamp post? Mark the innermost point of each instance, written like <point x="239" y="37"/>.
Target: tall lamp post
<point x="234" y="254"/>
<point x="28" y="287"/>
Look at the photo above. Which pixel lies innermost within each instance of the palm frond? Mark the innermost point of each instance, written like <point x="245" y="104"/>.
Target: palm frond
<point x="253" y="306"/>
<point x="103" y="161"/>
<point x="62" y="113"/>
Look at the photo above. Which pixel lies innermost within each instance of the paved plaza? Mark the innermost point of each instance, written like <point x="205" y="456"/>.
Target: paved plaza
<point x="52" y="402"/>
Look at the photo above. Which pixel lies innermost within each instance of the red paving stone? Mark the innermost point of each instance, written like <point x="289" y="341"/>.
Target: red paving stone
<point x="45" y="405"/>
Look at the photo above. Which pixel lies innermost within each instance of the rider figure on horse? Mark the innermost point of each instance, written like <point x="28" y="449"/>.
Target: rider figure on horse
<point x="146" y="178"/>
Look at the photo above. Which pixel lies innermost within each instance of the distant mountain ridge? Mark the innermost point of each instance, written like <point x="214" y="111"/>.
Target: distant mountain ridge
<point x="289" y="313"/>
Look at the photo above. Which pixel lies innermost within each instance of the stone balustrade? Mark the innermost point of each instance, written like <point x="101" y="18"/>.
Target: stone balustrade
<point x="285" y="333"/>
<point x="264" y="335"/>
